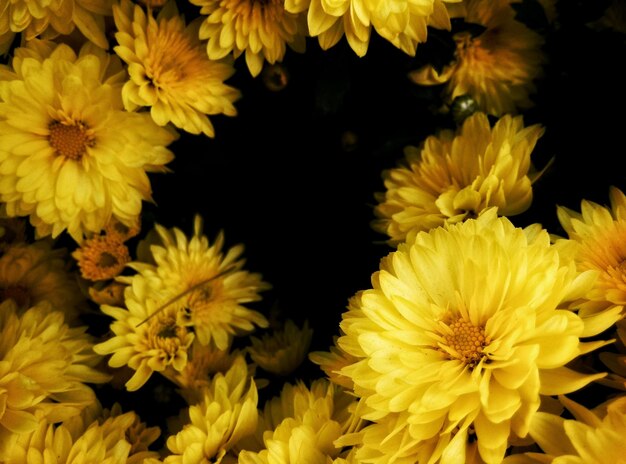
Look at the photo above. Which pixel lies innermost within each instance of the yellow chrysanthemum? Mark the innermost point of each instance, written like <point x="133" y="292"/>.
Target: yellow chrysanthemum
<point x="227" y="413"/>
<point x="72" y="157"/>
<point x="32" y="273"/>
<point x="498" y="67"/>
<point x="44" y="365"/>
<point x="592" y="437"/>
<point x="260" y="29"/>
<point x="207" y="287"/>
<point x="452" y="177"/>
<point x="302" y="424"/>
<point x="138" y="434"/>
<point x="101" y="257"/>
<point x="463" y="331"/>
<point x="284" y="350"/>
<point x="105" y="442"/>
<point x="600" y="235"/>
<point x="169" y="69"/>
<point x="48" y="19"/>
<point x="402" y="22"/>
<point x="331" y="362"/>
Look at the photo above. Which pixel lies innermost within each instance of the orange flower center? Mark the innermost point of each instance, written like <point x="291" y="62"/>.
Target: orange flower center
<point x="465" y="342"/>
<point x="70" y="140"/>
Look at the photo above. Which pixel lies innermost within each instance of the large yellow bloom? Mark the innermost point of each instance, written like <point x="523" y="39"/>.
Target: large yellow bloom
<point x="44" y="365"/>
<point x="260" y="29"/>
<point x="71" y="157"/>
<point x="462" y="333"/>
<point x="498" y="67"/>
<point x="600" y="233"/>
<point x="48" y="19"/>
<point x="402" y="22"/>
<point x="593" y="437"/>
<point x="169" y="69"/>
<point x="455" y="176"/>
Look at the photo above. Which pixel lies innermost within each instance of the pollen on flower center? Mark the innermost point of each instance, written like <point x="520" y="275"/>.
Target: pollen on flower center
<point x="70" y="140"/>
<point x="465" y="342"/>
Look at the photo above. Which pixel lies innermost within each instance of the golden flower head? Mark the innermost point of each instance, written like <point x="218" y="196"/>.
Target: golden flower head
<point x="226" y="414"/>
<point x="32" y="273"/>
<point x="101" y="257"/>
<point x="205" y="286"/>
<point x="261" y="30"/>
<point x="72" y="157"/>
<point x="592" y="437"/>
<point x="455" y="176"/>
<point x="497" y="67"/>
<point x="401" y="22"/>
<point x="169" y="69"/>
<point x="44" y="368"/>
<point x="35" y="18"/>
<point x="600" y="235"/>
<point x="463" y="331"/>
<point x="282" y="351"/>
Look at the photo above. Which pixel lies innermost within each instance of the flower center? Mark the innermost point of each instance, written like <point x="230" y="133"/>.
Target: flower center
<point x="465" y="342"/>
<point x="107" y="260"/>
<point x="70" y="140"/>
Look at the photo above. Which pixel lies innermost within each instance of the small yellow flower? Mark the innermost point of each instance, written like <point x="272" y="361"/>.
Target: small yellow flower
<point x="498" y="67"/>
<point x="284" y="350"/>
<point x="454" y="176"/>
<point x="169" y="69"/>
<point x="101" y="257"/>
<point x="261" y="30"/>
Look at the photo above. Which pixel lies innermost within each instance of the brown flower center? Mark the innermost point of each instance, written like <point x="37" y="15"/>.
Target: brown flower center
<point x="465" y="342"/>
<point x="107" y="260"/>
<point x="70" y="140"/>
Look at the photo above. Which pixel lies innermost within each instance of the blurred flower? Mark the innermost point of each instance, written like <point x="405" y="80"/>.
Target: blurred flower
<point x="72" y="158"/>
<point x="455" y="176"/>
<point x="463" y="331"/>
<point x="600" y="235"/>
<point x="169" y="69"/>
<point x="110" y="294"/>
<point x="32" y="273"/>
<point x="613" y="18"/>
<point x="592" y="437"/>
<point x="496" y="67"/>
<point x="44" y="365"/>
<point x="331" y="362"/>
<point x="120" y="231"/>
<point x="284" y="350"/>
<point x="12" y="231"/>
<point x="101" y="257"/>
<point x="35" y="18"/>
<point x="226" y="414"/>
<point x="261" y="30"/>
<point x="401" y="22"/>
<point x="206" y="287"/>
<point x="301" y="425"/>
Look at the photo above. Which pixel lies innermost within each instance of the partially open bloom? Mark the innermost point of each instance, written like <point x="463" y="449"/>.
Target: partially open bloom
<point x="260" y="30"/>
<point x="226" y="414"/>
<point x="402" y="22"/>
<point x="72" y="158"/>
<point x="592" y="437"/>
<point x="282" y="351"/>
<point x="497" y="67"/>
<point x="44" y="367"/>
<point x="169" y="69"/>
<point x="454" y="176"/>
<point x="463" y="331"/>
<point x="101" y="257"/>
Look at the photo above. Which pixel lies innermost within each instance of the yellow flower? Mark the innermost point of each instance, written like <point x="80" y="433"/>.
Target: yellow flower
<point x="44" y="365"/>
<point x="402" y="22"/>
<point x="331" y="362"/>
<point x="226" y="414"/>
<point x="462" y="333"/>
<point x="207" y="287"/>
<point x="101" y="257"/>
<point x="32" y="273"/>
<point x="284" y="350"/>
<point x="301" y="425"/>
<point x="105" y="442"/>
<point x="169" y="69"/>
<point x="120" y="231"/>
<point x="35" y="18"/>
<point x="71" y="157"/>
<point x="137" y="433"/>
<point x="261" y="30"/>
<point x="452" y="177"/>
<point x="497" y="68"/>
<point x="592" y="437"/>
